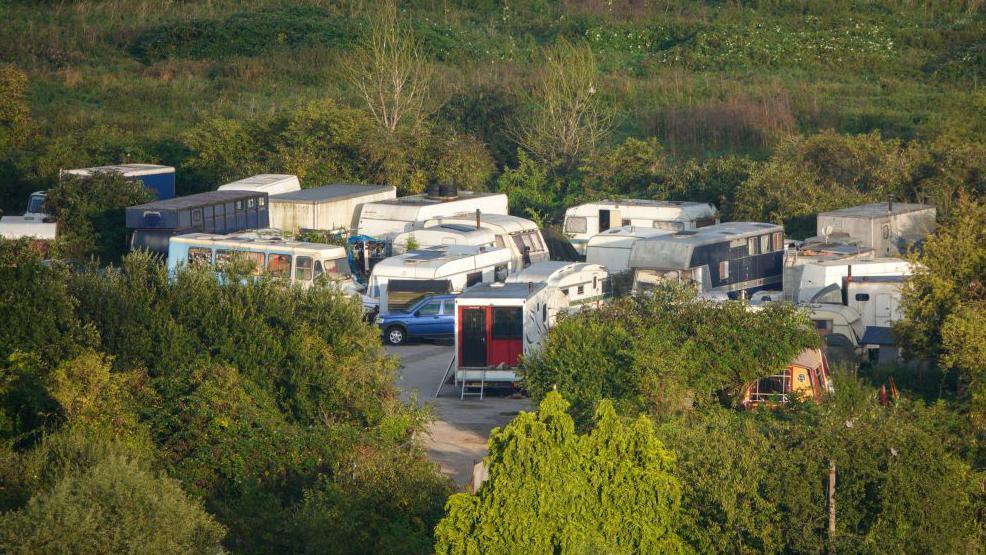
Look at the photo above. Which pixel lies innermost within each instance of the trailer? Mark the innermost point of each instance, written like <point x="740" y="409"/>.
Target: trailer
<point x="400" y="281"/>
<point x="385" y="219"/>
<point x="159" y="179"/>
<point x="584" y="221"/>
<point x="444" y="234"/>
<point x="611" y="248"/>
<point x="270" y="183"/>
<point x="798" y="255"/>
<point x="21" y="227"/>
<point x="520" y="235"/>
<point x="582" y="283"/>
<point x="328" y="208"/>
<point x="496" y="326"/>
<point x="889" y="228"/>
<point x="823" y="281"/>
<point x="151" y="225"/>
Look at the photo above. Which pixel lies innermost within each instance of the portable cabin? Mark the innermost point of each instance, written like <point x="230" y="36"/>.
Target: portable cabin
<point x="445" y="234"/>
<point x="889" y="228"/>
<point x="582" y="283"/>
<point x="400" y="281"/>
<point x="327" y="208"/>
<point x="520" y="235"/>
<point x="806" y="378"/>
<point x="584" y="221"/>
<point x="497" y="324"/>
<point x="221" y="212"/>
<point x="800" y="254"/>
<point x="159" y="179"/>
<point x="734" y="259"/>
<point x="823" y="281"/>
<point x="270" y="183"/>
<point x="384" y="219"/>
<point x="611" y="248"/>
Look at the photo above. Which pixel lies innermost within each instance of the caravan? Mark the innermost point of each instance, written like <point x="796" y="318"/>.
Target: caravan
<point x="582" y="283"/>
<point x="889" y="228"/>
<point x="612" y="248"/>
<point x="385" y="219"/>
<point x="587" y="220"/>
<point x="327" y="208"/>
<point x="520" y="235"/>
<point x="444" y="234"/>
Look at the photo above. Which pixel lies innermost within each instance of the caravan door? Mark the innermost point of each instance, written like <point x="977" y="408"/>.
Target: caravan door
<point x="608" y="219"/>
<point x="472" y="337"/>
<point x="886" y="309"/>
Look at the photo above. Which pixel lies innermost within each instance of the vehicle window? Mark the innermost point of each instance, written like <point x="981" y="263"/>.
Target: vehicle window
<point x="196" y="216"/>
<point x="430" y="308"/>
<point x="544" y="313"/>
<point x="473" y="278"/>
<point x="626" y="221"/>
<point x="508" y="322"/>
<point x="279" y="265"/>
<point x="239" y="205"/>
<point x="765" y="243"/>
<point x="575" y="225"/>
<point x="199" y="255"/>
<point x="337" y="268"/>
<point x="862" y="297"/>
<point x="499" y="242"/>
<point x="253" y="260"/>
<point x="581" y="289"/>
<point x="318" y="269"/>
<point x="724" y="269"/>
<point x="261" y="201"/>
<point x="751" y="246"/>
<point x="249" y="203"/>
<point x="304" y="268"/>
<point x="778" y="241"/>
<point x="823" y="325"/>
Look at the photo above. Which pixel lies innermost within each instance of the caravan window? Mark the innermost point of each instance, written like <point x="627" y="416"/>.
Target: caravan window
<point x="249" y="203"/>
<point x="499" y="242"/>
<point x="595" y="283"/>
<point x="751" y="245"/>
<point x="508" y="322"/>
<point x="318" y="269"/>
<point x="199" y="255"/>
<point x="778" y="241"/>
<point x="304" y="268"/>
<point x="279" y="265"/>
<point x="581" y="289"/>
<point x="575" y="225"/>
<point x="473" y="278"/>
<point x="254" y="260"/>
<point x="724" y="269"/>
<point x="765" y="243"/>
<point x="196" y="216"/>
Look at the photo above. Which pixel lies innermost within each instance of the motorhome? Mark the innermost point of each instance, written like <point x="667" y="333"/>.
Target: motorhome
<point x="385" y="219"/>
<point x="444" y="234"/>
<point x="823" y="281"/>
<point x="806" y="378"/>
<point x="400" y="281"/>
<point x="587" y="220"/>
<point x="496" y="325"/>
<point x="582" y="283"/>
<point x="159" y="179"/>
<point x="520" y="235"/>
<point x="734" y="259"/>
<point x="889" y="228"/>
<point x="327" y="208"/>
<point x="151" y="225"/>
<point x="611" y="248"/>
<point x="270" y="183"/>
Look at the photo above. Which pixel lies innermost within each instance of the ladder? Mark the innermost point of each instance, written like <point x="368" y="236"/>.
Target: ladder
<point x="471" y="389"/>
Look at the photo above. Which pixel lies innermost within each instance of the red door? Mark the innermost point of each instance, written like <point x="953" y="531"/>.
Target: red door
<point x="506" y="335"/>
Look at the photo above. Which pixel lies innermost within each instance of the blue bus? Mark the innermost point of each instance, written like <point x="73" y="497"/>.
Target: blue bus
<point x="733" y="259"/>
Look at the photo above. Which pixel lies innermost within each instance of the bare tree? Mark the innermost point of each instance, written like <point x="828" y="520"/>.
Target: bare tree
<point x="568" y="118"/>
<point x="390" y="70"/>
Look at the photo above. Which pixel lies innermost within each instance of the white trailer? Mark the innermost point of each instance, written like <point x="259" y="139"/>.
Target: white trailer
<point x="587" y="220"/>
<point x="584" y="284"/>
<point x="401" y="280"/>
<point x="20" y="227"/>
<point x="875" y="298"/>
<point x="823" y="281"/>
<point x="387" y="218"/>
<point x="327" y="208"/>
<point x="611" y="248"/>
<point x="270" y="183"/>
<point x="444" y="234"/>
<point x="797" y="255"/>
<point x="496" y="325"/>
<point x="520" y="235"/>
<point x="888" y="228"/>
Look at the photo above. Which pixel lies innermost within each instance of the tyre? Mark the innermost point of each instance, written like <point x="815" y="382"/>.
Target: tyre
<point x="395" y="335"/>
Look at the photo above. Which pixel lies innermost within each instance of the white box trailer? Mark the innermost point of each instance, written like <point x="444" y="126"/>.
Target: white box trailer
<point x="270" y="183"/>
<point x="611" y="248"/>
<point x="584" y="221"/>
<point x="401" y="280"/>
<point x="583" y="283"/>
<point x="520" y="235"/>
<point x="444" y="235"/>
<point x="327" y="208"/>
<point x="823" y="281"/>
<point x="889" y="228"/>
<point x="385" y="219"/>
<point x="497" y="324"/>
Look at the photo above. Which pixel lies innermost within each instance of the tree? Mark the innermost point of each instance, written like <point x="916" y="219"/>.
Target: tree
<point x="552" y="490"/>
<point x="15" y="116"/>
<point x="390" y="71"/>
<point x="568" y="117"/>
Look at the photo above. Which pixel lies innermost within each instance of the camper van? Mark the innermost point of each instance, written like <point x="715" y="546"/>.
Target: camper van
<point x="582" y="283"/>
<point x="734" y="259"/>
<point x="270" y="183"/>
<point x="327" y="208"/>
<point x="444" y="234"/>
<point x="496" y="324"/>
<point x="611" y="248"/>
<point x="520" y="235"/>
<point x="806" y="378"/>
<point x="400" y="281"/>
<point x="889" y="228"/>
<point x="587" y="220"/>
<point x="385" y="219"/>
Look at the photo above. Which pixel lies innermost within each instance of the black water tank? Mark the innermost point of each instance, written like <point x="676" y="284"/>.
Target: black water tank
<point x="433" y="191"/>
<point x="448" y="190"/>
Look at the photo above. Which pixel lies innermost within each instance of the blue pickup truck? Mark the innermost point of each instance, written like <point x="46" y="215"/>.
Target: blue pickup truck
<point x="430" y="318"/>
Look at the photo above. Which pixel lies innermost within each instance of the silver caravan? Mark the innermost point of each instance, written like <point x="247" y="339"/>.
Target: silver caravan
<point x="888" y="228"/>
<point x="586" y="220"/>
<point x="386" y="219"/>
<point x="612" y="247"/>
<point x="444" y="235"/>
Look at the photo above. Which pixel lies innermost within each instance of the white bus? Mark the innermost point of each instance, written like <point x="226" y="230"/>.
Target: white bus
<point x="586" y="220"/>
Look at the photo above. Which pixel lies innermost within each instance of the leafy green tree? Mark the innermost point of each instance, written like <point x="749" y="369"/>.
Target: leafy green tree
<point x="629" y="169"/>
<point x="15" y="115"/>
<point x="551" y="490"/>
<point x="224" y="150"/>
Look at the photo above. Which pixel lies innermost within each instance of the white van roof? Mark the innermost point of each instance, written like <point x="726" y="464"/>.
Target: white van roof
<point x="433" y="262"/>
<point x="553" y="272"/>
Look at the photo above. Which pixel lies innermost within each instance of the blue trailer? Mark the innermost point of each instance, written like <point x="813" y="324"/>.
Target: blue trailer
<point x="151" y="225"/>
<point x="159" y="179"/>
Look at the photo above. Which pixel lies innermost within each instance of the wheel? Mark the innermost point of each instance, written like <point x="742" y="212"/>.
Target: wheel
<point x="395" y="335"/>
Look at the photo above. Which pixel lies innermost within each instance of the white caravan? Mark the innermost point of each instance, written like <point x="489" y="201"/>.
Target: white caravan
<point x="327" y="208"/>
<point x="611" y="248"/>
<point x="584" y="284"/>
<point x="799" y="254"/>
<point x="386" y="219"/>
<point x="823" y="281"/>
<point x="586" y="220"/>
<point x="520" y="235"/>
<point x="270" y="183"/>
<point x="444" y="234"/>
<point x="401" y="280"/>
<point x="889" y="228"/>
